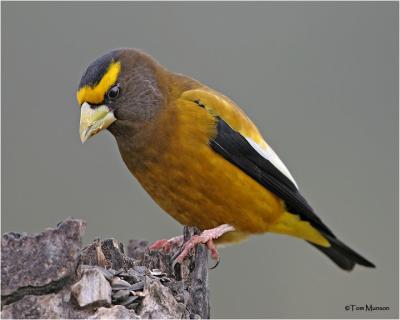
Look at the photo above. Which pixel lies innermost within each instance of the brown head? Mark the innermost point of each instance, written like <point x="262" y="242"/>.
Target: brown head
<point x="120" y="91"/>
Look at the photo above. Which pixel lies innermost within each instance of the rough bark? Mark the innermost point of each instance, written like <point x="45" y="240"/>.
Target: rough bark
<point x="50" y="275"/>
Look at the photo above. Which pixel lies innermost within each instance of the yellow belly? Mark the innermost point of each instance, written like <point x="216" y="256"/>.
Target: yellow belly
<point x="197" y="186"/>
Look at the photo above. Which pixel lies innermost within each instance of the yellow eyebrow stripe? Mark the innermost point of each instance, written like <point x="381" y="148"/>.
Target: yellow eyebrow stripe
<point x="95" y="94"/>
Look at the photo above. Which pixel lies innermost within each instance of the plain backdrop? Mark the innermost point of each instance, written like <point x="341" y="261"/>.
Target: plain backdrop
<point x="320" y="81"/>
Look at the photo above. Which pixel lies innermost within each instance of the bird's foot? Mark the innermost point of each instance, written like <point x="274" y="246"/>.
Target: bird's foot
<point x="166" y="244"/>
<point x="206" y="237"/>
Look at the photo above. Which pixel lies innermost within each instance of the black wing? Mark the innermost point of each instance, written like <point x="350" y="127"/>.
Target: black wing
<point x="231" y="145"/>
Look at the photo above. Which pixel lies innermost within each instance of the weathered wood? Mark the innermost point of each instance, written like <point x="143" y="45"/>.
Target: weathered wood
<point x="197" y="279"/>
<point x="99" y="281"/>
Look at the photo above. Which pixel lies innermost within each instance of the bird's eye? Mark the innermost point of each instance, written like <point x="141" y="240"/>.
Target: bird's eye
<point x="113" y="93"/>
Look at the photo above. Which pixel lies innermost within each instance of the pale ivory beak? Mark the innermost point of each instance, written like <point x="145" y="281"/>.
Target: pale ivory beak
<point x="94" y="120"/>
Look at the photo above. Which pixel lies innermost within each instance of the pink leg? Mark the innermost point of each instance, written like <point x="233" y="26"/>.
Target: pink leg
<point x="206" y="237"/>
<point x="165" y="244"/>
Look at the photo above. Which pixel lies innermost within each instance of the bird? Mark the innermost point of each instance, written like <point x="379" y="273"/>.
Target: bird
<point x="198" y="156"/>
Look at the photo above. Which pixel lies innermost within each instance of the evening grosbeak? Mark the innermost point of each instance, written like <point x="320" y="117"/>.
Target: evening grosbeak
<point x="198" y="156"/>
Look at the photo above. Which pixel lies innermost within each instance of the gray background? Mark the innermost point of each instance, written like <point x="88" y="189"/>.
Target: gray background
<point x="320" y="81"/>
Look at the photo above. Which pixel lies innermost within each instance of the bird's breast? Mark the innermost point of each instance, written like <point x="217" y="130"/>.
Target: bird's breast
<point x="195" y="185"/>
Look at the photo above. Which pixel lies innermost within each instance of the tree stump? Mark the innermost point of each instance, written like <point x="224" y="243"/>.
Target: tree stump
<point x="50" y="275"/>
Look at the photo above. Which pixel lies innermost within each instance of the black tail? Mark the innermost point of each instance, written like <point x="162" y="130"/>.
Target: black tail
<point x="342" y="255"/>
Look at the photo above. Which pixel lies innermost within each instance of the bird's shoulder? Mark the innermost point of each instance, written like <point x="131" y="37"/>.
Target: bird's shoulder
<point x="219" y="105"/>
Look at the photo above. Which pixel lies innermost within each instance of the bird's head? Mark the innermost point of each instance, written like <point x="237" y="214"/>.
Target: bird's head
<point x="118" y="90"/>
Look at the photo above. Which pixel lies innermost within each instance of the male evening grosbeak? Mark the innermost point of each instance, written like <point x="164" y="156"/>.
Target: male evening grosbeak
<point x="198" y="156"/>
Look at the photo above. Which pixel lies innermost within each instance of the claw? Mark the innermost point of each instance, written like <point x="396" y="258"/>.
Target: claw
<point x="215" y="265"/>
<point x="175" y="256"/>
<point x="174" y="264"/>
<point x="206" y="237"/>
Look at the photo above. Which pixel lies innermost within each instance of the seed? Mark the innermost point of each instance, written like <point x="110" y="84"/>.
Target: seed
<point x="131" y="276"/>
<point x="137" y="286"/>
<point x="157" y="273"/>
<point x="107" y="274"/>
<point x="132" y="305"/>
<point x="120" y="295"/>
<point x="119" y="284"/>
<point x="129" y="300"/>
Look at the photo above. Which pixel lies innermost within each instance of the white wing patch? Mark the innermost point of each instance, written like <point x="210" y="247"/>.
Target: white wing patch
<point x="270" y="155"/>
